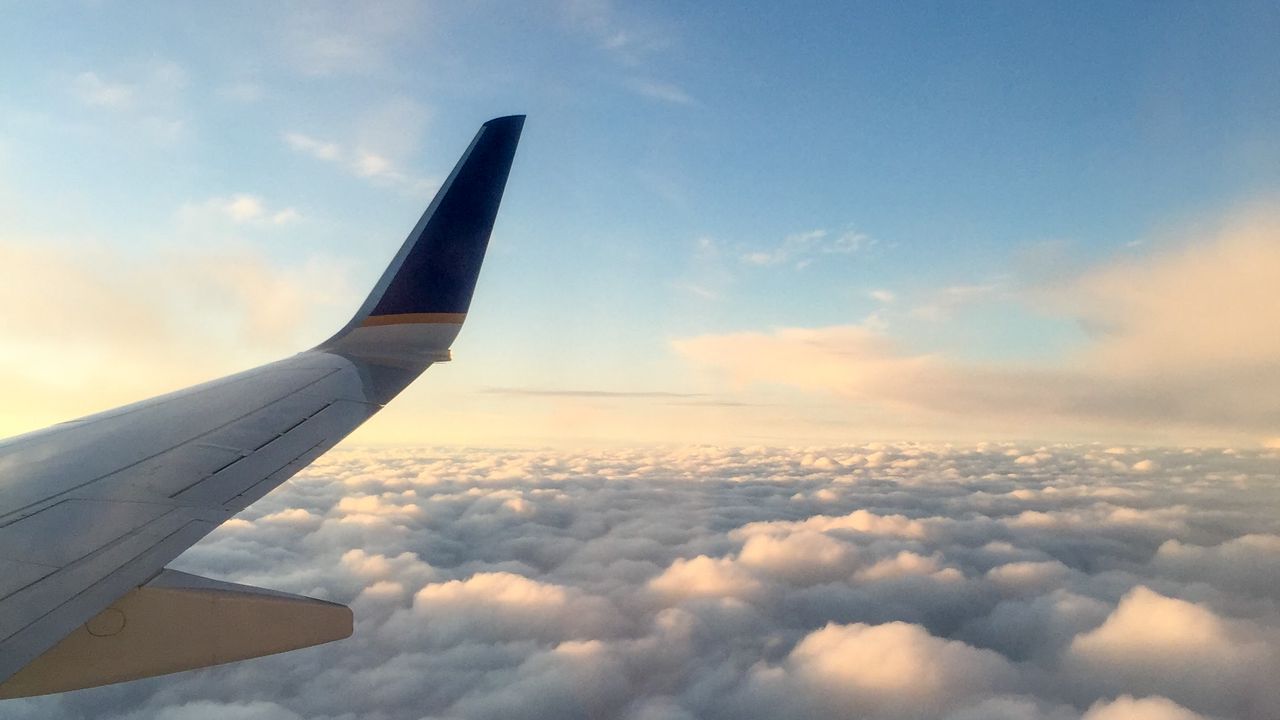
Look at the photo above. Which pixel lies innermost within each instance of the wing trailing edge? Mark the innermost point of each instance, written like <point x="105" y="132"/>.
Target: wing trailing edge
<point x="179" y="622"/>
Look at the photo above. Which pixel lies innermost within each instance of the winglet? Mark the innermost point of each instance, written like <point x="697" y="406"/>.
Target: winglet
<point x="417" y="307"/>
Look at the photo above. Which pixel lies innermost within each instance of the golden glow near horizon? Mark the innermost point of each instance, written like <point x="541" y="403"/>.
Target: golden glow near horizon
<point x="1182" y="347"/>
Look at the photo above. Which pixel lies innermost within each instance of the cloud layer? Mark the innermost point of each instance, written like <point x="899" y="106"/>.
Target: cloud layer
<point x="885" y="582"/>
<point x="1182" y="342"/>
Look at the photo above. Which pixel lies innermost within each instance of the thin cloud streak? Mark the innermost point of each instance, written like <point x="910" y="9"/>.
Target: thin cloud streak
<point x="538" y="392"/>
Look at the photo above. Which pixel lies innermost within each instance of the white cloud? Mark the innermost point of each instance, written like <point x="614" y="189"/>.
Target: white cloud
<point x="504" y="605"/>
<point x="1181" y="344"/>
<point x="238" y="209"/>
<point x="903" y="564"/>
<point x="943" y="304"/>
<point x="139" y="100"/>
<point x="802" y="248"/>
<point x="704" y="577"/>
<point x="896" y="670"/>
<point x="801" y="557"/>
<point x="883" y="582"/>
<point x="328" y="39"/>
<point x="625" y="36"/>
<point x="93" y="90"/>
<point x="1177" y="649"/>
<point x="862" y="521"/>
<point x="363" y="162"/>
<point x="664" y="92"/>
<point x="243" y="91"/>
<point x="1028" y="578"/>
<point x="318" y="149"/>
<point x="1151" y="708"/>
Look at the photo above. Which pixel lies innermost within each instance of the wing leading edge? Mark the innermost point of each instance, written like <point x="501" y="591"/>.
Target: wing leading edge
<point x="91" y="511"/>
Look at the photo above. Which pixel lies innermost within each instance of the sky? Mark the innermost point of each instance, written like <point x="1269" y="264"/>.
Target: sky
<point x="731" y="223"/>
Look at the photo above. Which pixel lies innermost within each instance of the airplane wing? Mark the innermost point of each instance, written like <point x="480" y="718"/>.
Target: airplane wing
<point x="92" y="510"/>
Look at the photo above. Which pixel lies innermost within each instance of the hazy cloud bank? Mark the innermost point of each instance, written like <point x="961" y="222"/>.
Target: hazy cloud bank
<point x="1184" y="340"/>
<point x="885" y="582"/>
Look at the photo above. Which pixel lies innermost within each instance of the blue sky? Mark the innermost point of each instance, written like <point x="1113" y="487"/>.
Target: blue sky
<point x="957" y="181"/>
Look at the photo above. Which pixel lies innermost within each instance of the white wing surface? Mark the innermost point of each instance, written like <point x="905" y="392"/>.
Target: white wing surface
<point x="92" y="510"/>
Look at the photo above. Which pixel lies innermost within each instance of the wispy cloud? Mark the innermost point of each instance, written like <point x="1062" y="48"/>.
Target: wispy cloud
<point x="616" y="30"/>
<point x="149" y="97"/>
<point x="359" y="162"/>
<point x="698" y="290"/>
<point x="574" y="393"/>
<point x="800" y="249"/>
<point x="243" y="91"/>
<point x="241" y="209"/>
<point x="93" y="90"/>
<point x="664" y="92"/>
<point x="942" y="304"/>
<point x="335" y="39"/>
<point x="318" y="149"/>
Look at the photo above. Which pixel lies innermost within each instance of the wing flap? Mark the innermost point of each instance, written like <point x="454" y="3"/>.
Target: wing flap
<point x="179" y="622"/>
<point x="36" y="617"/>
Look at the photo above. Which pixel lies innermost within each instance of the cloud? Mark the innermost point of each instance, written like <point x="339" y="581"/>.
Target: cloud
<point x="238" y="209"/>
<point x="148" y="103"/>
<point x="318" y="149"/>
<point x="704" y="577"/>
<point x="944" y="303"/>
<point x="1178" y="348"/>
<point x="242" y="91"/>
<point x="801" y="558"/>
<point x="359" y="162"/>
<point x="880" y="582"/>
<point x="540" y="392"/>
<point x="329" y="39"/>
<point x="800" y="249"/>
<point x="1128" y="708"/>
<point x="204" y="710"/>
<point x="380" y="139"/>
<point x="1178" y="649"/>
<point x="617" y="31"/>
<point x="895" y="670"/>
<point x="93" y="90"/>
<point x="663" y="92"/>
<point x="1249" y="563"/>
<point x="862" y="521"/>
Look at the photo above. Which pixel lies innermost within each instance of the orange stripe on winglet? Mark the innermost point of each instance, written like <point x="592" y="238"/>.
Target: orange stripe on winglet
<point x="415" y="319"/>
